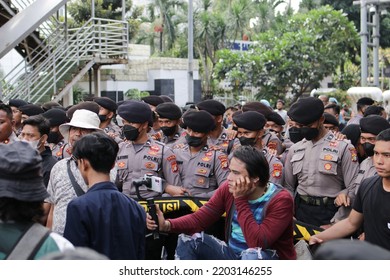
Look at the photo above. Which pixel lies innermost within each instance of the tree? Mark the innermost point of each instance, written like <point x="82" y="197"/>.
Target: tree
<point x="295" y="57"/>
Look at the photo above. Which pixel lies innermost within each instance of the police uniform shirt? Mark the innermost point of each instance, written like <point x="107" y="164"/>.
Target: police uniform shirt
<point x="203" y="172"/>
<point x="366" y="170"/>
<point x="271" y="141"/>
<point x="112" y="128"/>
<point x="276" y="174"/>
<point x="322" y="169"/>
<point x="222" y="142"/>
<point x="153" y="158"/>
<point x="12" y="138"/>
<point x="61" y="150"/>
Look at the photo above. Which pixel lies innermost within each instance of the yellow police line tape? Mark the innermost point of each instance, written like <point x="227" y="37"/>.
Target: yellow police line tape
<point x="185" y="205"/>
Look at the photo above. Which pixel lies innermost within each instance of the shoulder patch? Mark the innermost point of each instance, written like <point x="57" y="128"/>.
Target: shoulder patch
<point x="353" y="154"/>
<point x="277" y="170"/>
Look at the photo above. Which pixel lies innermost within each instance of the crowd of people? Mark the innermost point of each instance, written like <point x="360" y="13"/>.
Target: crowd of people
<point x="69" y="177"/>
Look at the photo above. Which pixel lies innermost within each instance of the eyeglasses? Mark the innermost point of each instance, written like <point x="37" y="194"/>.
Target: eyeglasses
<point x="75" y="159"/>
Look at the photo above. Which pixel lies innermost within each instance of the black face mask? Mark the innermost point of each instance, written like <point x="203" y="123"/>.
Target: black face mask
<point x="168" y="131"/>
<point x="295" y="134"/>
<point x="244" y="141"/>
<point x="309" y="132"/>
<point x="102" y="118"/>
<point x="130" y="132"/>
<point x="194" y="141"/>
<point x="54" y="137"/>
<point x="368" y="149"/>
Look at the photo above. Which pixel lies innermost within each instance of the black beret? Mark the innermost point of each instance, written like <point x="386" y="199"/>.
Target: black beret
<point x="107" y="103"/>
<point x="31" y="110"/>
<point x="306" y="110"/>
<point x="169" y="111"/>
<point x="17" y="103"/>
<point x="153" y="100"/>
<point x="250" y="120"/>
<point x="373" y="124"/>
<point x="56" y="116"/>
<point x="276" y="118"/>
<point x="373" y="110"/>
<point x="166" y="98"/>
<point x="330" y="119"/>
<point x="135" y="111"/>
<point x="365" y="101"/>
<point x="352" y="132"/>
<point x="87" y="105"/>
<point x="258" y="107"/>
<point x="199" y="121"/>
<point x="214" y="107"/>
<point x="51" y="104"/>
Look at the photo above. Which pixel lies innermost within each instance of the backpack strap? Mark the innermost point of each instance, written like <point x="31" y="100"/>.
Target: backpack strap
<point x="29" y="244"/>
<point x="79" y="191"/>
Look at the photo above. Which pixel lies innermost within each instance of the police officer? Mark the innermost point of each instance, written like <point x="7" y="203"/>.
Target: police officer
<point x="318" y="167"/>
<point x="56" y="117"/>
<point x="140" y="154"/>
<point x="202" y="168"/>
<point x="370" y="127"/>
<point x="250" y="130"/>
<point x="107" y="112"/>
<point x="153" y="101"/>
<point x="219" y="136"/>
<point x="270" y="139"/>
<point x="331" y="123"/>
<point x="169" y="115"/>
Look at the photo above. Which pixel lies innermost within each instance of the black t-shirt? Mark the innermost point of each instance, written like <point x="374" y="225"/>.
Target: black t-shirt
<point x="374" y="202"/>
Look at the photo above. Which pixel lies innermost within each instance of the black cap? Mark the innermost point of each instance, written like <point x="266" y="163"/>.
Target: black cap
<point x="169" y="111"/>
<point x="21" y="172"/>
<point x="330" y="119"/>
<point x="373" y="110"/>
<point x="373" y="124"/>
<point x="214" y="107"/>
<point x="153" y="100"/>
<point x="365" y="101"/>
<point x="258" y="107"/>
<point x="17" y="102"/>
<point x="250" y="120"/>
<point x="199" y="121"/>
<point x="352" y="132"/>
<point x="31" y="110"/>
<point x="56" y="116"/>
<point x="106" y="103"/>
<point x="306" y="110"/>
<point x="135" y="111"/>
<point x="276" y="118"/>
<point x="87" y="105"/>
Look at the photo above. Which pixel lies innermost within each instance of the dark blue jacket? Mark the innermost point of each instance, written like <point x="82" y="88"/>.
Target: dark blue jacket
<point x="107" y="221"/>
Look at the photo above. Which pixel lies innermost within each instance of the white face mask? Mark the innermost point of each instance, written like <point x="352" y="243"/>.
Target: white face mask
<point x="34" y="144"/>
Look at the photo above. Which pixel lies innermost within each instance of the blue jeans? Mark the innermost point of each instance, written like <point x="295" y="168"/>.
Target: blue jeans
<point x="202" y="246"/>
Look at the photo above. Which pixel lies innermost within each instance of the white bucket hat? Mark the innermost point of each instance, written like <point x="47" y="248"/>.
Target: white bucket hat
<point x="83" y="119"/>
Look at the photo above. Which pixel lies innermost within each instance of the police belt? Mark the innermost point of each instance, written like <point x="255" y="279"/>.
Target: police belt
<point x="315" y="200"/>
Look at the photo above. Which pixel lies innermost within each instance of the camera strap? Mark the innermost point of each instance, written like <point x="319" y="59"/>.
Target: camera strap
<point x="79" y="191"/>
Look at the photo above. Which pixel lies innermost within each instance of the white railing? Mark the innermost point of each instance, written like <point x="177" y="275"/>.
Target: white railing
<point x="97" y="39"/>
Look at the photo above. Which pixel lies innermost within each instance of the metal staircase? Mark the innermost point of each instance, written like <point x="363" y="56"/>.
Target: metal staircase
<point x="63" y="57"/>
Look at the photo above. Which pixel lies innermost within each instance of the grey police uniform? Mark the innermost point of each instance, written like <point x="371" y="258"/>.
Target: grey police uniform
<point x="223" y="143"/>
<point x="319" y="172"/>
<point x="61" y="150"/>
<point x="272" y="141"/>
<point x="153" y="158"/>
<point x="202" y="172"/>
<point x="276" y="170"/>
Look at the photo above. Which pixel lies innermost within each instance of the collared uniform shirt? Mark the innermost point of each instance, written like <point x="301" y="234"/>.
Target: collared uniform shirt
<point x="271" y="141"/>
<point x="276" y="169"/>
<point x="322" y="169"/>
<point x="61" y="150"/>
<point x="203" y="172"/>
<point x="222" y="142"/>
<point x="152" y="158"/>
<point x="12" y="138"/>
